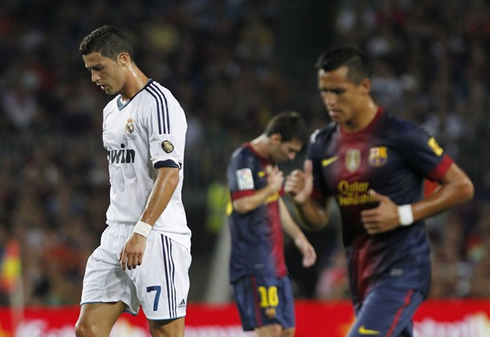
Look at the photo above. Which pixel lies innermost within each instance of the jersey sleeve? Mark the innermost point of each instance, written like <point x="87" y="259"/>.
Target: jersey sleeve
<point x="314" y="153"/>
<point x="167" y="127"/>
<point x="424" y="155"/>
<point x="242" y="176"/>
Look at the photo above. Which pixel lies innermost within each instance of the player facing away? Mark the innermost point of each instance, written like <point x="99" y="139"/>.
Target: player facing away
<point x="261" y="285"/>
<point x="374" y="165"/>
<point x="144" y="254"/>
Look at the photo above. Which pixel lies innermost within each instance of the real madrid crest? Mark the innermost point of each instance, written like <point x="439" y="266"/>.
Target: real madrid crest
<point x="129" y="128"/>
<point x="167" y="146"/>
<point x="353" y="159"/>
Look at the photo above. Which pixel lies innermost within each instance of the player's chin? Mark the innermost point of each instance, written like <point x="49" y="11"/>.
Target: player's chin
<point x="336" y="117"/>
<point x="280" y="159"/>
<point x="108" y="91"/>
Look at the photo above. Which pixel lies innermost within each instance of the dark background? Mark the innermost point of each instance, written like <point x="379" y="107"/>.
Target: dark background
<point x="232" y="64"/>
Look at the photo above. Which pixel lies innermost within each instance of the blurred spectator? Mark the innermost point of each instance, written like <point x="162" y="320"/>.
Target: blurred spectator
<point x="333" y="282"/>
<point x="19" y="100"/>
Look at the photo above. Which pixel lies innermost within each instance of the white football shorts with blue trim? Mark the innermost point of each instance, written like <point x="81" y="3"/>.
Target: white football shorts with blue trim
<point x="160" y="285"/>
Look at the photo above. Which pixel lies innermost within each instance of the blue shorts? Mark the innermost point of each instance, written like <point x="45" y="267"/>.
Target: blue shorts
<point x="387" y="311"/>
<point x="264" y="300"/>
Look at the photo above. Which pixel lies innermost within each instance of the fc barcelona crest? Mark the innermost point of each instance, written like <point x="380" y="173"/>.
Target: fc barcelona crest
<point x="378" y="156"/>
<point x="353" y="159"/>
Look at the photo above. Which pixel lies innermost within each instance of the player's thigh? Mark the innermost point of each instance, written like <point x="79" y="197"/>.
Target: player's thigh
<point x="97" y="319"/>
<point x="162" y="281"/>
<point x="168" y="328"/>
<point x="104" y="280"/>
<point x="288" y="332"/>
<point x="387" y="311"/>
<point x="274" y="330"/>
<point x="271" y="330"/>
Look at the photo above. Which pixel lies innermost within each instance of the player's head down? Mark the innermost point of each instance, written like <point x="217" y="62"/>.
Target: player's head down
<point x="344" y="85"/>
<point x="109" y="41"/>
<point x="287" y="133"/>
<point x="350" y="56"/>
<point x="108" y="55"/>
<point x="289" y="124"/>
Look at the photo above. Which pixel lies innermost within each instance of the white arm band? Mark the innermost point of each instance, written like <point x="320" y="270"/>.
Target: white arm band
<point x="405" y="214"/>
<point x="142" y="228"/>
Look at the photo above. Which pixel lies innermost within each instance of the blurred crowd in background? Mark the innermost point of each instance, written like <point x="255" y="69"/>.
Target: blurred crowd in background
<point x="232" y="64"/>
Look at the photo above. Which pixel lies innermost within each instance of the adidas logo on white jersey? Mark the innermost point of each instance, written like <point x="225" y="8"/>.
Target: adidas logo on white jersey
<point x="182" y="304"/>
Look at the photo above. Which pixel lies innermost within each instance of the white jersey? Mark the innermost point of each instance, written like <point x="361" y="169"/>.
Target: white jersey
<point x="141" y="135"/>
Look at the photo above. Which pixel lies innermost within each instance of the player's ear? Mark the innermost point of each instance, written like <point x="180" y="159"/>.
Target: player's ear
<point x="275" y="138"/>
<point x="365" y="86"/>
<point x="124" y="59"/>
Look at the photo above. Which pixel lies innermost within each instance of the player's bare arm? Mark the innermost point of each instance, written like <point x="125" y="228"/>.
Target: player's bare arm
<point x="294" y="232"/>
<point x="455" y="189"/>
<point x="167" y="180"/>
<point x="275" y="179"/>
<point x="299" y="185"/>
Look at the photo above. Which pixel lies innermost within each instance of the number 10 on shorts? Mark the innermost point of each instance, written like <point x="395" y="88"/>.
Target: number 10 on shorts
<point x="268" y="300"/>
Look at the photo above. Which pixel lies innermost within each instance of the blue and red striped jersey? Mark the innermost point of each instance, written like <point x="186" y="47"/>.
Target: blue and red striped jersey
<point x="393" y="157"/>
<point x="257" y="237"/>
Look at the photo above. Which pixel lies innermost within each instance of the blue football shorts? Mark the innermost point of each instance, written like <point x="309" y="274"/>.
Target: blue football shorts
<point x="264" y="300"/>
<point x="387" y="311"/>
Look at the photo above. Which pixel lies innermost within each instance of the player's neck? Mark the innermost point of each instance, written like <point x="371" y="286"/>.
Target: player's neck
<point x="261" y="145"/>
<point x="136" y="80"/>
<point x="363" y="118"/>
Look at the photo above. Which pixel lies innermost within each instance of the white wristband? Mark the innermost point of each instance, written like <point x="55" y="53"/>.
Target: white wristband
<point x="142" y="228"/>
<point x="405" y="214"/>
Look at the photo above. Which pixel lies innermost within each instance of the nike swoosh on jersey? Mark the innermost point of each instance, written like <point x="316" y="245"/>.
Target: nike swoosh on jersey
<point x="364" y="331"/>
<point x="326" y="162"/>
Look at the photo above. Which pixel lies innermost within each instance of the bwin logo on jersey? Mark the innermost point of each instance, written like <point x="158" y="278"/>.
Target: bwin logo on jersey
<point x="123" y="156"/>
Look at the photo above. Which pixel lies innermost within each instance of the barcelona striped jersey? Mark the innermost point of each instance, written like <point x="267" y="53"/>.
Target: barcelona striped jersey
<point x="257" y="238"/>
<point x="393" y="157"/>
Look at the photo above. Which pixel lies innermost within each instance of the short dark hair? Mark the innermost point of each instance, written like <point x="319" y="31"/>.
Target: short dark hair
<point x="349" y="56"/>
<point x="290" y="125"/>
<point x="109" y="41"/>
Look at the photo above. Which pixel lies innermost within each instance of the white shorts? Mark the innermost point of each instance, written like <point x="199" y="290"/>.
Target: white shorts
<point x="160" y="285"/>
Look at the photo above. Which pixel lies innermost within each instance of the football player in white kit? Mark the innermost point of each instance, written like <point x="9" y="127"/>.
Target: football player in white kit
<point x="144" y="254"/>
